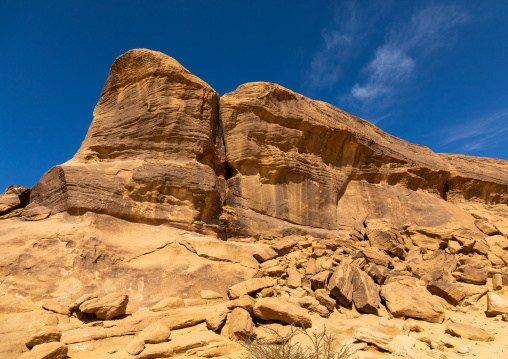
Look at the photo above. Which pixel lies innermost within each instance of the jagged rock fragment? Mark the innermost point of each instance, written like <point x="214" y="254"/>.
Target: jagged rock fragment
<point x="240" y="324"/>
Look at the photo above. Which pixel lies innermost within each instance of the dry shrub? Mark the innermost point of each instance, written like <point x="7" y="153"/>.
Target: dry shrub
<point x="283" y="347"/>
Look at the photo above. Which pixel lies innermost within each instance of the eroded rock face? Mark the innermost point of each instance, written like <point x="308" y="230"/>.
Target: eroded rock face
<point x="296" y="163"/>
<point x="261" y="161"/>
<point x="333" y="212"/>
<point x="153" y="151"/>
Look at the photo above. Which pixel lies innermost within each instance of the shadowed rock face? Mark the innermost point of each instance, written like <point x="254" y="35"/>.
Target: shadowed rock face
<point x="269" y="163"/>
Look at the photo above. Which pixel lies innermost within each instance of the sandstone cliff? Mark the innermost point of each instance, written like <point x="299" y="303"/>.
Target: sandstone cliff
<point x="161" y="144"/>
<point x="204" y="218"/>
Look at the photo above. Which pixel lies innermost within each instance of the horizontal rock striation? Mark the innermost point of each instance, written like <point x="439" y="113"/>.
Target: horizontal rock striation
<point x="307" y="163"/>
<point x="153" y="151"/>
<point x="260" y="161"/>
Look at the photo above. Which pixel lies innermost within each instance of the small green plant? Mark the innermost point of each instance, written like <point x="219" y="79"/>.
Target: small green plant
<point x="283" y="347"/>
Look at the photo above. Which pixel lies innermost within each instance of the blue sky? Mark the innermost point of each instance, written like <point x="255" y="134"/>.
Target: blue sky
<point x="431" y="72"/>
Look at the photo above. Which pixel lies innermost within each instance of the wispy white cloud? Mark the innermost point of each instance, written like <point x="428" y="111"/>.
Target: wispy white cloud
<point x="326" y="64"/>
<point x="395" y="61"/>
<point x="479" y="133"/>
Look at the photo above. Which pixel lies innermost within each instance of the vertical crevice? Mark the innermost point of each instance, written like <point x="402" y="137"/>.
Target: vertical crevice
<point x="446" y="189"/>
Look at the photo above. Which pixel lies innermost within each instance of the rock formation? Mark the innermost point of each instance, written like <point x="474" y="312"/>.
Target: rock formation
<point x="188" y="221"/>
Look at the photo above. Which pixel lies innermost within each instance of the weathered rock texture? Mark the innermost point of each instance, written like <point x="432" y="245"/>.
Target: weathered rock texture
<point x="217" y="216"/>
<point x="152" y="152"/>
<point x="298" y="164"/>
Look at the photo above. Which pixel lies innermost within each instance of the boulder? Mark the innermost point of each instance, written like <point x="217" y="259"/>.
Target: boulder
<point x="383" y="235"/>
<point x="265" y="253"/>
<point x="324" y="298"/>
<point x="320" y="280"/>
<point x="216" y="319"/>
<point x="8" y="202"/>
<point x="496" y="305"/>
<point x="52" y="350"/>
<point x="84" y="298"/>
<point x="155" y="333"/>
<point x="245" y="301"/>
<point x="276" y="271"/>
<point x="240" y="324"/>
<point x="107" y="307"/>
<point x="378" y="273"/>
<point x="407" y="297"/>
<point x="497" y="281"/>
<point x="294" y="278"/>
<point x="283" y="311"/>
<point x="365" y="292"/>
<point x="274" y="333"/>
<point x="467" y="331"/>
<point x="249" y="286"/>
<point x="135" y="346"/>
<point x="341" y="284"/>
<point x="311" y="267"/>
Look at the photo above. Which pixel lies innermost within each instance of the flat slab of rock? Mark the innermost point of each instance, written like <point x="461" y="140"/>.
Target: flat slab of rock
<point x="320" y="280"/>
<point x="399" y="345"/>
<point x="35" y="213"/>
<point x="284" y="246"/>
<point x="285" y="312"/>
<point x="408" y="298"/>
<point x="210" y="294"/>
<point x="474" y="275"/>
<point x="468" y="332"/>
<point x="55" y="307"/>
<point x="340" y="284"/>
<point x="455" y="292"/>
<point x="107" y="307"/>
<point x="180" y="345"/>
<point x="249" y="286"/>
<point x="365" y="292"/>
<point x="47" y="351"/>
<point x="168" y="303"/>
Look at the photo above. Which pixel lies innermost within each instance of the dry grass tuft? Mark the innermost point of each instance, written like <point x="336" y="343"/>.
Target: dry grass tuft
<point x="283" y="347"/>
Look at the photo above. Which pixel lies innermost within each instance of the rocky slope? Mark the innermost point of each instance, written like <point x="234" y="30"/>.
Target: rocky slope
<point x="188" y="221"/>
